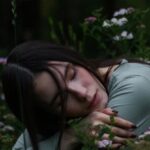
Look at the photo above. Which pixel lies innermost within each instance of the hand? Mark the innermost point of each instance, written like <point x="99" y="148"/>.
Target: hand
<point x="121" y="128"/>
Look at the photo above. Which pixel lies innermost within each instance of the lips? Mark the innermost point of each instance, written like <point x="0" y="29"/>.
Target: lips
<point x="95" y="101"/>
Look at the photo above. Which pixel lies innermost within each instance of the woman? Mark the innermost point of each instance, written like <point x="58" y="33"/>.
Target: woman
<point x="46" y="85"/>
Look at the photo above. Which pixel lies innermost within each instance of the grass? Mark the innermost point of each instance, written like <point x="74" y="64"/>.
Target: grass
<point x="10" y="127"/>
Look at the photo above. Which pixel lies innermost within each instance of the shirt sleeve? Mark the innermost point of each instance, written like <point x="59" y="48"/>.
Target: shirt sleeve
<point x="131" y="98"/>
<point x="24" y="143"/>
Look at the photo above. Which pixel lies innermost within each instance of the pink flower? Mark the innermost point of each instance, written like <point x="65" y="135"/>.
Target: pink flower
<point x="104" y="143"/>
<point x="90" y="19"/>
<point x="3" y="60"/>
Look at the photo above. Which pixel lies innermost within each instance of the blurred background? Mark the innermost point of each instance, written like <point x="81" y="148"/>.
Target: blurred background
<point x="32" y="17"/>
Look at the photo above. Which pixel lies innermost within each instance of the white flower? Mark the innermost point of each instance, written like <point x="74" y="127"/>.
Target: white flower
<point x="117" y="38"/>
<point x="122" y="21"/>
<point x="7" y="128"/>
<point x="124" y="34"/>
<point x="122" y="11"/>
<point x="114" y="20"/>
<point x="119" y="22"/>
<point x="106" y="24"/>
<point x="130" y="36"/>
<point x="116" y="13"/>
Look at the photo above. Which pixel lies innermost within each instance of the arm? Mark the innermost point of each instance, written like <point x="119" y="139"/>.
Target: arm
<point x="131" y="98"/>
<point x="120" y="129"/>
<point x="70" y="141"/>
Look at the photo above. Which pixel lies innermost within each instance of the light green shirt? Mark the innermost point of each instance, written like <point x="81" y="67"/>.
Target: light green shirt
<point x="24" y="143"/>
<point x="129" y="93"/>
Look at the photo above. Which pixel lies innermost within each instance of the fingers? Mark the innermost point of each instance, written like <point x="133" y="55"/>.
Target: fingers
<point x="117" y="121"/>
<point x="116" y="146"/>
<point x="120" y="135"/>
<point x="122" y="132"/>
<point x="110" y="111"/>
<point x="120" y="122"/>
<point x="116" y="139"/>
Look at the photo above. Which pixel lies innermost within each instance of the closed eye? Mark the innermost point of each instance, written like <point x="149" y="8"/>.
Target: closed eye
<point x="70" y="72"/>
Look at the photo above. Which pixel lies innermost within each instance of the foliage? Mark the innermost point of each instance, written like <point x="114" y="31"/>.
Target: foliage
<point x="90" y="142"/>
<point x="122" y="35"/>
<point x="10" y="128"/>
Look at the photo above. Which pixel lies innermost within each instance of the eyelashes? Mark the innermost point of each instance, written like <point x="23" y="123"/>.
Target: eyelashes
<point x="70" y="72"/>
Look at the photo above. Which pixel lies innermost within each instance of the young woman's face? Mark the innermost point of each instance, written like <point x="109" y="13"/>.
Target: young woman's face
<point x="85" y="92"/>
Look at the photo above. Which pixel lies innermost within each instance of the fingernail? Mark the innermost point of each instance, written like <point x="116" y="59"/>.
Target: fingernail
<point x="133" y="126"/>
<point x="133" y="135"/>
<point x="115" y="111"/>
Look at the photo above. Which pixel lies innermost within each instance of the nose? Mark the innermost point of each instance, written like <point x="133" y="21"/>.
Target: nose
<point x="77" y="89"/>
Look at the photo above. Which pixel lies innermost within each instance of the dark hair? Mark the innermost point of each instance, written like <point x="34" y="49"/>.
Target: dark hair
<point x="24" y="62"/>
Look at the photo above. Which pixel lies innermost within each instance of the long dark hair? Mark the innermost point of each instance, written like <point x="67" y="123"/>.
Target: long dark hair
<point x="23" y="64"/>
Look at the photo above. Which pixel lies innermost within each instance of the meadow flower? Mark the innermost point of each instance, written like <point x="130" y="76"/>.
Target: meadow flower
<point x="3" y="60"/>
<point x="122" y="21"/>
<point x="90" y="19"/>
<point x="114" y="20"/>
<point x="104" y="143"/>
<point x="117" y="38"/>
<point x="8" y="128"/>
<point x="130" y="36"/>
<point x="106" y="23"/>
<point x="121" y="12"/>
<point x="126" y="35"/>
<point x="119" y="22"/>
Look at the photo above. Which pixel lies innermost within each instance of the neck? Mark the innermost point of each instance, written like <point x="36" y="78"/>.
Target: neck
<point x="105" y="72"/>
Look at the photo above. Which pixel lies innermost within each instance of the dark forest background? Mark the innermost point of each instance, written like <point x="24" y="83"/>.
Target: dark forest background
<point x="32" y="17"/>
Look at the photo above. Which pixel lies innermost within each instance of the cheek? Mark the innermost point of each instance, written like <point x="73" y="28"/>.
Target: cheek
<point x="85" y="77"/>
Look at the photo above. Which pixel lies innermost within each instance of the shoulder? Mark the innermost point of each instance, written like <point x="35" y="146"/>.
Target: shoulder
<point x="24" y="143"/>
<point x="126" y="71"/>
